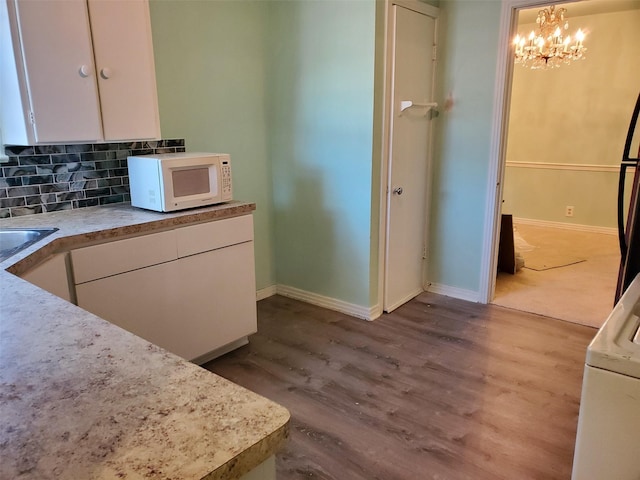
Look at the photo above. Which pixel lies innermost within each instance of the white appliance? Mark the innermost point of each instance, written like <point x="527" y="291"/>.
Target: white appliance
<point x="175" y="181"/>
<point x="608" y="439"/>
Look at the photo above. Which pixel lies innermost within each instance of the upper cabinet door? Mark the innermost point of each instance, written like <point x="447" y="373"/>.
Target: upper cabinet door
<point x="60" y="76"/>
<point x="125" y="68"/>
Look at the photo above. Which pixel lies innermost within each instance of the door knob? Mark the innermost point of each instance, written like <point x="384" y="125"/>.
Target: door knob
<point x="105" y="73"/>
<point x="398" y="191"/>
<point x="84" y="71"/>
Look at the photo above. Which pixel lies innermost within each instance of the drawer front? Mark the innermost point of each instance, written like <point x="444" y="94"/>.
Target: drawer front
<point x="213" y="235"/>
<point x="99" y="261"/>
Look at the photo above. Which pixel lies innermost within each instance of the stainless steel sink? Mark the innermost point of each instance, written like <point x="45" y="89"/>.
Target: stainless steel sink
<point x="13" y="240"/>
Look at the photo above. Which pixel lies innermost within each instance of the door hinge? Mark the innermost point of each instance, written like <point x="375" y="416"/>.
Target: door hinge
<point x="424" y="252"/>
<point x="32" y="118"/>
<point x="434" y="53"/>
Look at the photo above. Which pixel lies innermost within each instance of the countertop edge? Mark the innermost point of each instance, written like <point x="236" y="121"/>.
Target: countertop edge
<point x="62" y="241"/>
<point x="67" y="239"/>
<point x="253" y="456"/>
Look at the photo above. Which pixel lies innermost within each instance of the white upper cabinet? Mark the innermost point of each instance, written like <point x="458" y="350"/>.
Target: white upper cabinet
<point x="77" y="71"/>
<point x="126" y="73"/>
<point x="55" y="40"/>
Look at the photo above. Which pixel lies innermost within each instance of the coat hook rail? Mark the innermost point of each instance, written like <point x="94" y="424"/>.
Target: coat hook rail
<point x="404" y="104"/>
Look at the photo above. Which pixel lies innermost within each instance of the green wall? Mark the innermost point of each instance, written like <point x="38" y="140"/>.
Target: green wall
<point x="285" y="87"/>
<point x="468" y="39"/>
<point x="211" y="75"/>
<point x="321" y="75"/>
<point x="572" y="115"/>
<point x="543" y="194"/>
<point x="288" y="89"/>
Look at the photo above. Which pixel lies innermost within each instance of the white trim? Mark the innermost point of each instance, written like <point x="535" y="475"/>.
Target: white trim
<point x="390" y="34"/>
<point x="3" y="157"/>
<point x="376" y="311"/>
<point x="501" y="98"/>
<point x="576" y="167"/>
<point x="330" y="303"/>
<point x="366" y="313"/>
<point x="566" y="226"/>
<point x="384" y="156"/>
<point x="265" y="292"/>
<point x="499" y="126"/>
<point x="455" y="292"/>
<point x="417" y="6"/>
<point x="387" y="129"/>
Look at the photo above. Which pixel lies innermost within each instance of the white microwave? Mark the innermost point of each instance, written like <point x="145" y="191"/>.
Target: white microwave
<point x="175" y="181"/>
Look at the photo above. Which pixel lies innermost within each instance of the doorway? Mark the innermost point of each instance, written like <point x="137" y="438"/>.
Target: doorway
<point x="568" y="274"/>
<point x="557" y="181"/>
<point x="405" y="180"/>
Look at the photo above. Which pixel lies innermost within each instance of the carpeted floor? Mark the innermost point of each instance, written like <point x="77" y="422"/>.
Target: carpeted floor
<point x="581" y="292"/>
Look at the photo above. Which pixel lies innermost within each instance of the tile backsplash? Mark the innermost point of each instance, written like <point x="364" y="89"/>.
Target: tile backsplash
<point x="46" y="178"/>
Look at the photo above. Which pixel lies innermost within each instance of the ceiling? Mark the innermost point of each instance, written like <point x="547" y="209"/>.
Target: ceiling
<point x="585" y="7"/>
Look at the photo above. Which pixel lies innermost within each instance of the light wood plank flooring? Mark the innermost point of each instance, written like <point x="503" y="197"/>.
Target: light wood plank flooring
<point x="439" y="389"/>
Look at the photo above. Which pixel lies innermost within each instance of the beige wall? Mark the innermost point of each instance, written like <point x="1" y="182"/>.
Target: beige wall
<point x="574" y="115"/>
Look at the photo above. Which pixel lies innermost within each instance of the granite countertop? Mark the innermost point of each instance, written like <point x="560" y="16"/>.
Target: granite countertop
<point x="83" y="398"/>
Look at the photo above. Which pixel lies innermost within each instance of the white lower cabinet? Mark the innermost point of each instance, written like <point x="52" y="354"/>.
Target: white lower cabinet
<point x="197" y="305"/>
<point x="215" y="300"/>
<point x="265" y="471"/>
<point x="51" y="275"/>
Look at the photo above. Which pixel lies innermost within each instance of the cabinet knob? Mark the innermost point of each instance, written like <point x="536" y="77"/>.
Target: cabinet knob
<point x="105" y="73"/>
<point x="85" y="71"/>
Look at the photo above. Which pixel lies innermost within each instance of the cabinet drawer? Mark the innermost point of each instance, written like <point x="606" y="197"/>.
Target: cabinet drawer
<point x="99" y="261"/>
<point x="213" y="235"/>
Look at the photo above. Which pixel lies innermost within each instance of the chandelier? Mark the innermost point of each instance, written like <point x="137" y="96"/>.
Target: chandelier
<point x="548" y="47"/>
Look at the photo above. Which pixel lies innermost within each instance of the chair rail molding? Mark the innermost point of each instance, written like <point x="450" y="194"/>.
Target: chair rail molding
<point x="575" y="167"/>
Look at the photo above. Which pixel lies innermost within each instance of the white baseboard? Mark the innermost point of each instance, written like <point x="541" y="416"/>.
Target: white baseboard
<point x="566" y="226"/>
<point x="366" y="313"/>
<point x="266" y="292"/>
<point x="455" y="292"/>
<point x="376" y="311"/>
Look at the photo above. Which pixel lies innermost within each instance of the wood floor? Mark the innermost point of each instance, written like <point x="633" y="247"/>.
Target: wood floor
<point x="439" y="389"/>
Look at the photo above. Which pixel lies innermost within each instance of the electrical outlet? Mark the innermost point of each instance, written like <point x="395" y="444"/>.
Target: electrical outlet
<point x="568" y="211"/>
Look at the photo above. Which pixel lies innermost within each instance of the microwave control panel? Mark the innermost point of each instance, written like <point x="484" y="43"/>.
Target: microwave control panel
<point x="225" y="168"/>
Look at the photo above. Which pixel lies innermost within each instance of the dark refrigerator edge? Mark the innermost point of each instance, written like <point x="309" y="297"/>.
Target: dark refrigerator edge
<point x="629" y="237"/>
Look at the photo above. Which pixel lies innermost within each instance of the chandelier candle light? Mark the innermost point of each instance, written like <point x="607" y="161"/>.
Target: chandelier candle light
<point x="548" y="48"/>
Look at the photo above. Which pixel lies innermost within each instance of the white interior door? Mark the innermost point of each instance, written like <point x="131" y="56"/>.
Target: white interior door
<point x="409" y="155"/>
